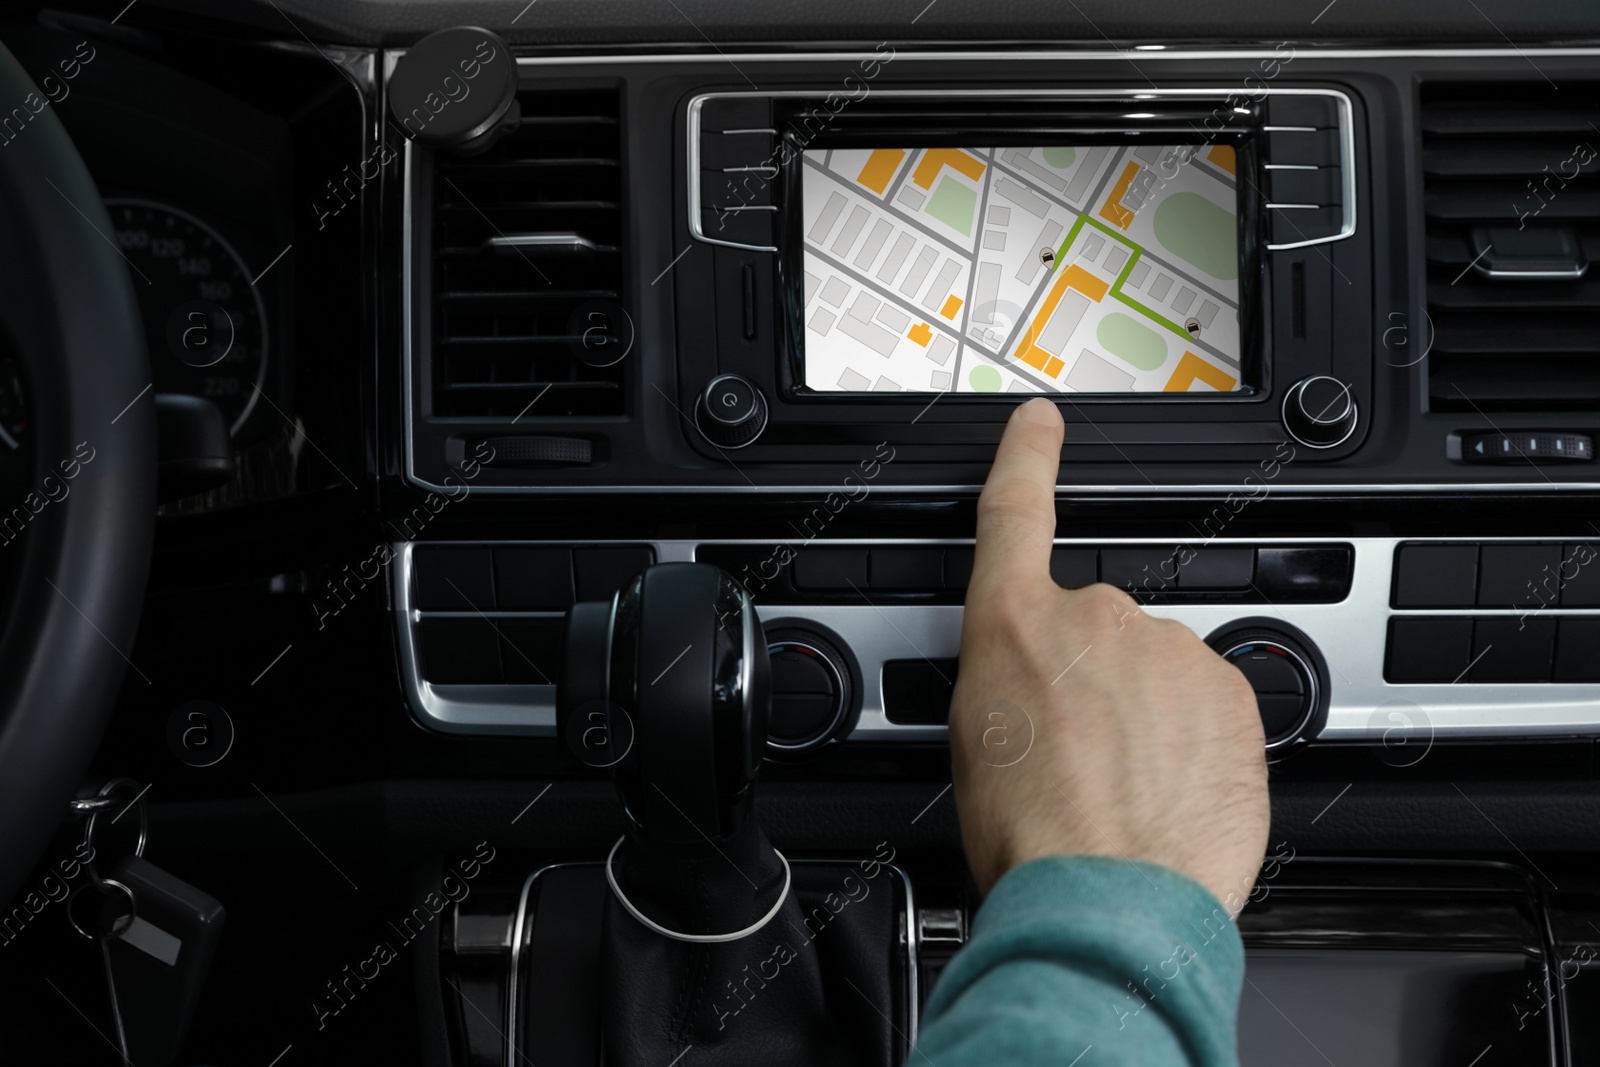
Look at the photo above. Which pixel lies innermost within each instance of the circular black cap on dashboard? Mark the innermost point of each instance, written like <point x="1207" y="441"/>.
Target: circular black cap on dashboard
<point x="455" y="89"/>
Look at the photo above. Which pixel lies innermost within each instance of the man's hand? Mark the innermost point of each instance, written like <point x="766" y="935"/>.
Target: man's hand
<point x="1082" y="725"/>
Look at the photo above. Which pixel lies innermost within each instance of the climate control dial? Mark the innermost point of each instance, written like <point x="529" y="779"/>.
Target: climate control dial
<point x="1285" y="671"/>
<point x="812" y="694"/>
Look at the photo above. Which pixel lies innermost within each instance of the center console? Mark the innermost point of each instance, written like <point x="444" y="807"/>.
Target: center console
<point x="1331" y="401"/>
<point x="837" y="284"/>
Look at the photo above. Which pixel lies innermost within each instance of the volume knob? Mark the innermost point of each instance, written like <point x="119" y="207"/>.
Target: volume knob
<point x="1319" y="412"/>
<point x="731" y="411"/>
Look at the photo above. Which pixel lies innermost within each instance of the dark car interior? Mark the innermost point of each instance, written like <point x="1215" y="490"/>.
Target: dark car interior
<point x="441" y="441"/>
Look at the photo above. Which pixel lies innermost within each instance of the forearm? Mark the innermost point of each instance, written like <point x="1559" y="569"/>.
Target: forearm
<point x="1067" y="953"/>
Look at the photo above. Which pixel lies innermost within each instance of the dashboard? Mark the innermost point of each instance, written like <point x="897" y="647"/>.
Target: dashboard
<point x="506" y="337"/>
<point x="496" y="308"/>
<point x="768" y="308"/>
<point x="837" y="284"/>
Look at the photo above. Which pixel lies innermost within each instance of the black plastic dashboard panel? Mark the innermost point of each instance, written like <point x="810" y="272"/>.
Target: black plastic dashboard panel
<point x="952" y="23"/>
<point x="1363" y="301"/>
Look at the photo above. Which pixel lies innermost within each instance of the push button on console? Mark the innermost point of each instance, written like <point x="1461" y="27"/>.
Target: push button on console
<point x="1296" y="110"/>
<point x="1512" y="650"/>
<point x="533" y="579"/>
<point x="1139" y="570"/>
<point x="1302" y="147"/>
<point x="1580" y="576"/>
<point x="603" y="571"/>
<point x="1577" y="650"/>
<point x="1518" y="576"/>
<point x="907" y="569"/>
<point x="1074" y="568"/>
<point x="831" y="569"/>
<point x="1436" y="576"/>
<point x="958" y="567"/>
<point x="452" y="579"/>
<point x="1318" y="185"/>
<point x="1428" y="650"/>
<point x="1217" y="568"/>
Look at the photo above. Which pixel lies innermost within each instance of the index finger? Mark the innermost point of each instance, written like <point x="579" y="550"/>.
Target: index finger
<point x="1017" y="509"/>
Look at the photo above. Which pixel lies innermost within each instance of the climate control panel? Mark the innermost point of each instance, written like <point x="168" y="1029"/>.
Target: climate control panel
<point x="1336" y="636"/>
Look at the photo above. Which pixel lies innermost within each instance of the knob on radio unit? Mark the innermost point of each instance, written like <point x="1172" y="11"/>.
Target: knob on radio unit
<point x="1319" y="412"/>
<point x="731" y="412"/>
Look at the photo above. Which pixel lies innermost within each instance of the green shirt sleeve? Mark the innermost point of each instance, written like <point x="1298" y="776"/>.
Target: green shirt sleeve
<point x="1135" y="961"/>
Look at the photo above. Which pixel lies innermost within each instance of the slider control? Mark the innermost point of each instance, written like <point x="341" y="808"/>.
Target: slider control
<point x="1527" y="446"/>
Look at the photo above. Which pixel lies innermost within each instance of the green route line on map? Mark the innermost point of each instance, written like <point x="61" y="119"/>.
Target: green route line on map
<point x="1127" y="268"/>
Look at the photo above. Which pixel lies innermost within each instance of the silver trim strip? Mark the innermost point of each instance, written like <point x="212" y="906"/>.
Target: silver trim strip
<point x="1351" y="635"/>
<point x="502" y="710"/>
<point x="693" y="147"/>
<point x="516" y="957"/>
<point x="1067" y="55"/>
<point x="573" y="241"/>
<point x="1568" y="275"/>
<point x="913" y="961"/>
<point x="408" y="310"/>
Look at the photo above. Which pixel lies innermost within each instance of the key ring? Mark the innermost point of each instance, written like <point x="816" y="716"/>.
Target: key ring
<point x="125" y="920"/>
<point x="102" y="801"/>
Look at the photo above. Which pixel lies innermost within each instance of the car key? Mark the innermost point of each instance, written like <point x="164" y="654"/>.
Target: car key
<point x="159" y="960"/>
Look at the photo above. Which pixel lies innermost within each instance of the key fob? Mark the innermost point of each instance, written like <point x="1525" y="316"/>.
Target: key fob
<point x="160" y="960"/>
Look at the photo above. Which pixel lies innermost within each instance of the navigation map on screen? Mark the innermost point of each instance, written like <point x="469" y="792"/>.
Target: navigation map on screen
<point x="1103" y="269"/>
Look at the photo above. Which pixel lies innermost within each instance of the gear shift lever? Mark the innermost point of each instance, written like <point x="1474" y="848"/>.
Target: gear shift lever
<point x="672" y="677"/>
<point x="688" y="664"/>
<point x="678" y="667"/>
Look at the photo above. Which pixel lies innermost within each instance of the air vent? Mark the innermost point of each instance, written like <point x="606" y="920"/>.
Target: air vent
<point x="524" y="237"/>
<point x="1511" y="193"/>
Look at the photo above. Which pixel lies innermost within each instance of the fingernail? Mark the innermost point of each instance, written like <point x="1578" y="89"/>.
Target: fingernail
<point x="1041" y="411"/>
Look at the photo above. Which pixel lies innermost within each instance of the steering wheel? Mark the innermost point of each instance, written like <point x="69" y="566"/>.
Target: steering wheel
<point x="85" y="499"/>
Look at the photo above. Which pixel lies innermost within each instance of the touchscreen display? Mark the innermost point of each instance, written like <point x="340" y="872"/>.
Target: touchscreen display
<point x="1101" y="269"/>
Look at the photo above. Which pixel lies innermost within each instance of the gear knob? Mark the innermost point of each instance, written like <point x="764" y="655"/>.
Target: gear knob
<point x="674" y="671"/>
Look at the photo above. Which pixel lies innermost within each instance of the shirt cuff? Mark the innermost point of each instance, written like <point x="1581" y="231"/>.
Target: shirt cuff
<point x="1159" y="942"/>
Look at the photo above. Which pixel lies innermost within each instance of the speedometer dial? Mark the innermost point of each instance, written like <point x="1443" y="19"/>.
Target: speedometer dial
<point x="205" y="324"/>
